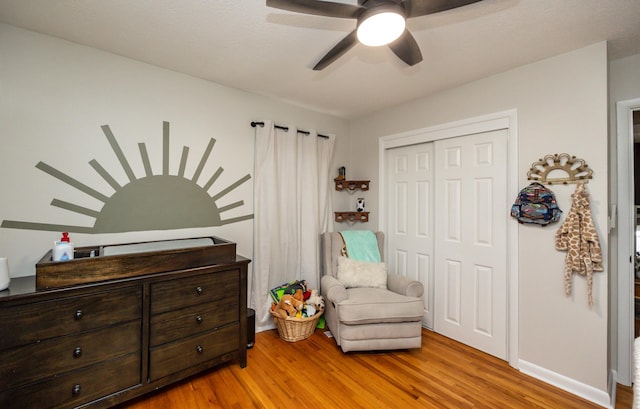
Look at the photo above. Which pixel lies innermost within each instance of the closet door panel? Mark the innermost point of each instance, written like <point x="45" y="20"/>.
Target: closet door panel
<point x="470" y="265"/>
<point x="410" y="228"/>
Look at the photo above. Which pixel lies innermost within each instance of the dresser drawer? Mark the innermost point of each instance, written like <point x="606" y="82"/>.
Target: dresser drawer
<point x="29" y="323"/>
<point x="176" y="356"/>
<point x="173" y="325"/>
<point x="29" y="363"/>
<point x="175" y="294"/>
<point x="78" y="387"/>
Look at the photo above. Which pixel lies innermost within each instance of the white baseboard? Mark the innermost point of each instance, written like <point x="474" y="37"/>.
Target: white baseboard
<point x="585" y="391"/>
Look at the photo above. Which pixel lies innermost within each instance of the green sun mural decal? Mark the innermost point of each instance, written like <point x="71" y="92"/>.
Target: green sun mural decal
<point x="152" y="202"/>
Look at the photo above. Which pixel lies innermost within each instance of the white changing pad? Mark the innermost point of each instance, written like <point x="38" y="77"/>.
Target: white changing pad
<point x="156" y="246"/>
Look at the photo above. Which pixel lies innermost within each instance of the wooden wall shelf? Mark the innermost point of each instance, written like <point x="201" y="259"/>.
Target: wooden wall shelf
<point x="351" y="217"/>
<point x="352" y="185"/>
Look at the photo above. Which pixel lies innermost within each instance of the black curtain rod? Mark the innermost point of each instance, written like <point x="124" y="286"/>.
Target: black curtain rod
<point x="285" y="128"/>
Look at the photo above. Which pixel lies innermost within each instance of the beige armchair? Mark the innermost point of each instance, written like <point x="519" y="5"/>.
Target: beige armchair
<point x="367" y="319"/>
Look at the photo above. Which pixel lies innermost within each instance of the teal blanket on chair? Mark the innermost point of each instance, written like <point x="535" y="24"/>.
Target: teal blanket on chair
<point x="361" y="245"/>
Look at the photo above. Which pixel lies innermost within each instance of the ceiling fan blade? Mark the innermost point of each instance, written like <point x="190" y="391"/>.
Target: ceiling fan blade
<point x="417" y="8"/>
<point x="337" y="51"/>
<point x="318" y="8"/>
<point x="406" y="48"/>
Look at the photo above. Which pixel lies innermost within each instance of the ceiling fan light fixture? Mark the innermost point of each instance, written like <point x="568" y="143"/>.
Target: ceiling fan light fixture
<point x="380" y="27"/>
<point x="379" y="22"/>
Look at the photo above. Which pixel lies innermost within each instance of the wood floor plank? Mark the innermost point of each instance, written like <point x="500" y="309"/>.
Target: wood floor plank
<point x="314" y="373"/>
<point x="624" y="397"/>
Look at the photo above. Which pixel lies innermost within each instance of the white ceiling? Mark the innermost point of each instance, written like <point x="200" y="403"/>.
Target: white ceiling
<point x="246" y="45"/>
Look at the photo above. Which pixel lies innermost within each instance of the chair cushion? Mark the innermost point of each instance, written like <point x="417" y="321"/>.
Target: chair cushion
<point x="381" y="331"/>
<point x="354" y="273"/>
<point x="376" y="305"/>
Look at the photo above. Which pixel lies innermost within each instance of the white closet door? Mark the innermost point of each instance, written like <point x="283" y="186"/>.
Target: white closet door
<point x="470" y="244"/>
<point x="410" y="217"/>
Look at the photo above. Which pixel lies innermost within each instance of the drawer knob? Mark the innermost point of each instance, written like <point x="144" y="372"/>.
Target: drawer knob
<point x="199" y="319"/>
<point x="78" y="315"/>
<point x="198" y="290"/>
<point x="77" y="352"/>
<point x="75" y="391"/>
<point x="199" y="349"/>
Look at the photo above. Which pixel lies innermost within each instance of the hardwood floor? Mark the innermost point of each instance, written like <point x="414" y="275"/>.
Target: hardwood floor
<point x="624" y="397"/>
<point x="314" y="373"/>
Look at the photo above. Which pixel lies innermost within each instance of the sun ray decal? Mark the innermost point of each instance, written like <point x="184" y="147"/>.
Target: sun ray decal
<point x="153" y="202"/>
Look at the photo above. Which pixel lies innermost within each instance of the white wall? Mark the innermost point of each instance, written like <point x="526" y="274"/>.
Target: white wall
<point x="561" y="106"/>
<point x="55" y="95"/>
<point x="624" y="80"/>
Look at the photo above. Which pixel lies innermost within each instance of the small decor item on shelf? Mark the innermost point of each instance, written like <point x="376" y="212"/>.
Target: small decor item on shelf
<point x="342" y="173"/>
<point x="360" y="204"/>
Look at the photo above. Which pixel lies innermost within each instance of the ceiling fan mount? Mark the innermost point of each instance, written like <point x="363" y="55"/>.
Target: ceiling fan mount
<point x="379" y="22"/>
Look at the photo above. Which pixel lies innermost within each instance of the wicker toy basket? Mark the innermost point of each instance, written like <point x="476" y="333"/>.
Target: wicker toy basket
<point x="293" y="329"/>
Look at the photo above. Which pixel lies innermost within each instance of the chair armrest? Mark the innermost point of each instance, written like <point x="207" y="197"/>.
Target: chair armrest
<point x="404" y="285"/>
<point x="332" y="289"/>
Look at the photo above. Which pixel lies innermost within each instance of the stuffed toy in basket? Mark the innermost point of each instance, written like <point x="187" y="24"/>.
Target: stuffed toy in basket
<point x="296" y="315"/>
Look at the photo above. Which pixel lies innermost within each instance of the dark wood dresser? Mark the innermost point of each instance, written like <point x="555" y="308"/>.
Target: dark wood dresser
<point x="96" y="345"/>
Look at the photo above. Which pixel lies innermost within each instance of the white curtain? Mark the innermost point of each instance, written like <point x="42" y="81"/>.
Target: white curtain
<point x="292" y="207"/>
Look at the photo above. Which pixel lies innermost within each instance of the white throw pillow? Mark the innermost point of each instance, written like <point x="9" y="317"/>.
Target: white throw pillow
<point x="354" y="273"/>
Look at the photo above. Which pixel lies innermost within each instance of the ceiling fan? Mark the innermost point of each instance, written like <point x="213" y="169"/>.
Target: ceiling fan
<point x="380" y="22"/>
